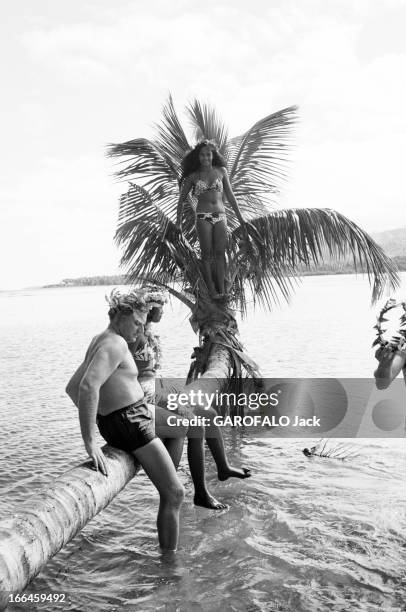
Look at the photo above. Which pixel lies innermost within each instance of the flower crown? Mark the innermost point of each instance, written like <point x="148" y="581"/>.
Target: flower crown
<point x="207" y="141"/>
<point x="154" y="297"/>
<point x="127" y="301"/>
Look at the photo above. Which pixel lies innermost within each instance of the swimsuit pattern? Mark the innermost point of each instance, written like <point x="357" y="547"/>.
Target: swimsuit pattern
<point x="212" y="217"/>
<point x="201" y="186"/>
<point x="148" y="360"/>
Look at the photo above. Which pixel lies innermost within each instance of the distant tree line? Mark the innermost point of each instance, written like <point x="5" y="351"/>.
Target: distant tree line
<point x="85" y="281"/>
<point x="320" y="269"/>
<point x="344" y="267"/>
<point x="400" y="261"/>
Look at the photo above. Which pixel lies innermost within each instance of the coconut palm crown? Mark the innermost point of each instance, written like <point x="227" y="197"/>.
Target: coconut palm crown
<point x="262" y="266"/>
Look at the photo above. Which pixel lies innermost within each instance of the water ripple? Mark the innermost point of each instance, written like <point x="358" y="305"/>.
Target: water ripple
<point x="300" y="535"/>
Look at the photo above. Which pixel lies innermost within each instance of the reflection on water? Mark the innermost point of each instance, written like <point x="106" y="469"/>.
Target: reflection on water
<point x="301" y="534"/>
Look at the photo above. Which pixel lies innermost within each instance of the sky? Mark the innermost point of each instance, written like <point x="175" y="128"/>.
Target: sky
<point x="78" y="74"/>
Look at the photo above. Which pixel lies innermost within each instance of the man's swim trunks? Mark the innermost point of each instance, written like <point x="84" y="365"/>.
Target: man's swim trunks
<point x="129" y="428"/>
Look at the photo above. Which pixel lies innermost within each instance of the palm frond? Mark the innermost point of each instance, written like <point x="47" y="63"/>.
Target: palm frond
<point x="330" y="450"/>
<point x="147" y="162"/>
<point x="302" y="236"/>
<point x="258" y="158"/>
<point x="140" y="232"/>
<point x="250" y="206"/>
<point x="252" y="280"/>
<point x="172" y="140"/>
<point x="207" y="124"/>
<point x="151" y="245"/>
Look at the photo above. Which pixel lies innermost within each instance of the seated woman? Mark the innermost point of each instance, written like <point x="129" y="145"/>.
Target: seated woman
<point x="146" y="352"/>
<point x="204" y="173"/>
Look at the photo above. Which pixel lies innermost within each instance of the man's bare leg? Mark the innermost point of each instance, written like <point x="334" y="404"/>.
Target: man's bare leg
<point x="159" y="467"/>
<point x="195" y="452"/>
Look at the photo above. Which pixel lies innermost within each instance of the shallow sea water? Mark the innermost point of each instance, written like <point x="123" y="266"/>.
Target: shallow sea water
<point x="312" y="535"/>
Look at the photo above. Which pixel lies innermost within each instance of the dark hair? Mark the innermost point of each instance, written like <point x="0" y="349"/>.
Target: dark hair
<point x="152" y="312"/>
<point x="191" y="161"/>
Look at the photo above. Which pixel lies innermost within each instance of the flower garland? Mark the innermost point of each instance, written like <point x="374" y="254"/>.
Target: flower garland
<point x="154" y="298"/>
<point x="398" y="340"/>
<point x="154" y="344"/>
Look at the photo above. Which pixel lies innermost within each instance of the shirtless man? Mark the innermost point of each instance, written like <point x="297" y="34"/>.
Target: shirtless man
<point x="106" y="391"/>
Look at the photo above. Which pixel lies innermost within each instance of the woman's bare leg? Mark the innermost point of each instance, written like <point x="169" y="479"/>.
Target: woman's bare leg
<point x="224" y="469"/>
<point x="204" y="231"/>
<point x="215" y="442"/>
<point x="195" y="455"/>
<point x="219" y="247"/>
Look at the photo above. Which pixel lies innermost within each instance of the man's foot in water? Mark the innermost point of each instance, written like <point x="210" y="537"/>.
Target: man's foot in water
<point x="208" y="501"/>
<point x="232" y="472"/>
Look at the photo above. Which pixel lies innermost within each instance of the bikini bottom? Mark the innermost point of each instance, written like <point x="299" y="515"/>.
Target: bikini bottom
<point x="212" y="217"/>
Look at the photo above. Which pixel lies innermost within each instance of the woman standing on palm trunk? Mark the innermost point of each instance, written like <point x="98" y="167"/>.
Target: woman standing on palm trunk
<point x="204" y="173"/>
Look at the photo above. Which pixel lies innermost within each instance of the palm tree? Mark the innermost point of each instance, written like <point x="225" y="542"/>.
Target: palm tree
<point x="263" y="267"/>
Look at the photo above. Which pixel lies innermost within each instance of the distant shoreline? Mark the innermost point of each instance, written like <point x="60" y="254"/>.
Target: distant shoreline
<point x="122" y="279"/>
<point x="110" y="281"/>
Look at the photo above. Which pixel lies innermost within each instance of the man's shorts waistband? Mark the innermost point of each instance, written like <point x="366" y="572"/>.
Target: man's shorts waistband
<point x="137" y="404"/>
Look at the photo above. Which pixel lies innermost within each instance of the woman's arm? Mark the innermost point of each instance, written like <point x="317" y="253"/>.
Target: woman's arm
<point x="230" y="195"/>
<point x="390" y="364"/>
<point x="184" y="190"/>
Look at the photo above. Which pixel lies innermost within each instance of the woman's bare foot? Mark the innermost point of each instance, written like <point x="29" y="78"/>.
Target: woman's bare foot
<point x="234" y="473"/>
<point x="208" y="501"/>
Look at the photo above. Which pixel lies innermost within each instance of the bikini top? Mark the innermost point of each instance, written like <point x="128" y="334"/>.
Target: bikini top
<point x="201" y="186"/>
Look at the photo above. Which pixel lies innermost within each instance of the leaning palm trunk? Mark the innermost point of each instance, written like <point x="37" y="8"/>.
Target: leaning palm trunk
<point x="49" y="520"/>
<point x="215" y="376"/>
